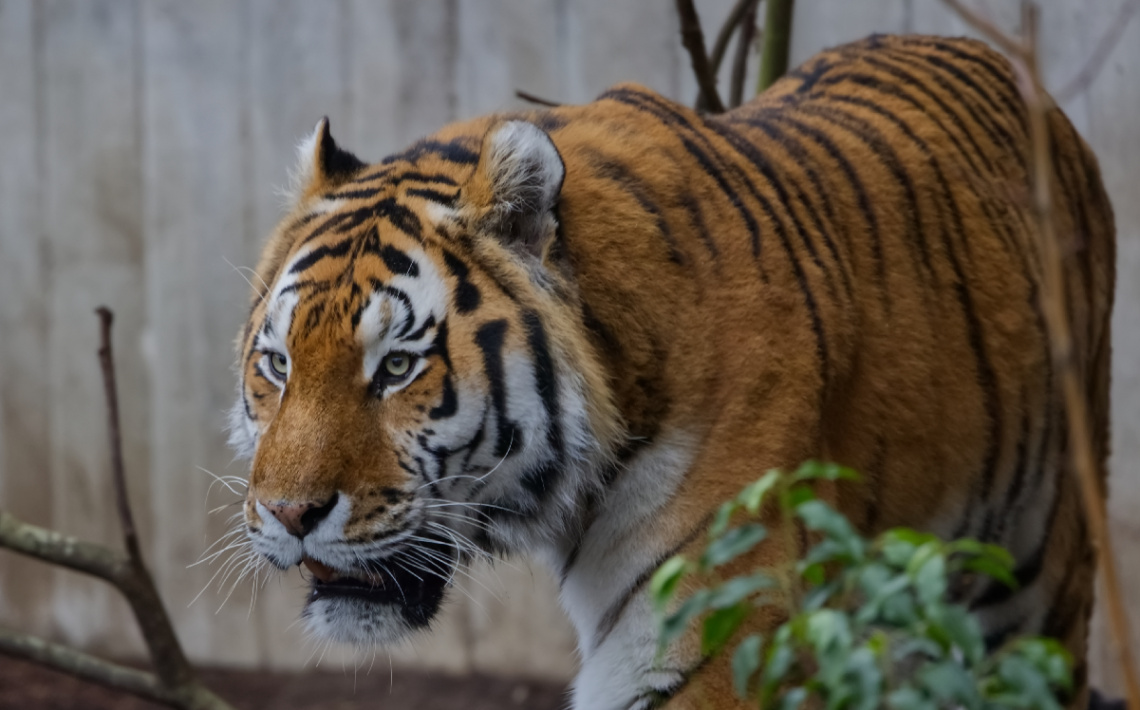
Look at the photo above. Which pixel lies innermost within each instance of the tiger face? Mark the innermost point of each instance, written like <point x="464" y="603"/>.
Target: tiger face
<point x="404" y="404"/>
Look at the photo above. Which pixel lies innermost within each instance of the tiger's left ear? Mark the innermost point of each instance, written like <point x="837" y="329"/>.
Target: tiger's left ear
<point x="516" y="186"/>
<point x="321" y="164"/>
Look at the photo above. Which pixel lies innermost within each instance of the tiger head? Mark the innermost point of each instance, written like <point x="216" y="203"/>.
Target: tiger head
<point x="414" y="386"/>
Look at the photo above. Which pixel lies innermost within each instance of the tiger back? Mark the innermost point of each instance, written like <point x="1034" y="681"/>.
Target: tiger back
<point x="575" y="332"/>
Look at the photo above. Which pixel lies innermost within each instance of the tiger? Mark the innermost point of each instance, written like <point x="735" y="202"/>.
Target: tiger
<point x="572" y="332"/>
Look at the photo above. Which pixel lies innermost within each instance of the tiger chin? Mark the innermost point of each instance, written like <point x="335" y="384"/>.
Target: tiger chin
<point x="574" y="332"/>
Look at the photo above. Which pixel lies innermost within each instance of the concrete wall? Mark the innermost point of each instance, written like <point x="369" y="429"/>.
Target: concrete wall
<point x="142" y="140"/>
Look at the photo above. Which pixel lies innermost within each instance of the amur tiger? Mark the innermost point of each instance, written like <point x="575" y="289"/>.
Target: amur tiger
<point x="574" y="332"/>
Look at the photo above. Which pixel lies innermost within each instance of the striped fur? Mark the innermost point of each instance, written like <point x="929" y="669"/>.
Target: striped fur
<point x="617" y="314"/>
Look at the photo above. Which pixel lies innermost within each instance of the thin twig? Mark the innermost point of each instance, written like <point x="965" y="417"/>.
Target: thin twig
<point x="1100" y="55"/>
<point x="740" y="61"/>
<point x="694" y="41"/>
<point x="777" y="42"/>
<point x="527" y="96"/>
<point x="1024" y="58"/>
<point x="138" y="587"/>
<point x="118" y="476"/>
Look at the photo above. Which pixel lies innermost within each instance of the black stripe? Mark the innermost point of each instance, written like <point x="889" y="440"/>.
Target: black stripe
<point x="1003" y="75"/>
<point x="996" y="135"/>
<point x="613" y="614"/>
<point x="874" y="83"/>
<point x="449" y="405"/>
<point x="669" y="116"/>
<point x="401" y="217"/>
<point x="318" y="253"/>
<point x="982" y="118"/>
<point x="821" y="139"/>
<point x="419" y="332"/>
<point x="455" y="151"/>
<point x="697" y="221"/>
<point x="490" y="338"/>
<point x="409" y="313"/>
<point x="789" y="251"/>
<point x="361" y="192"/>
<point x="467" y="296"/>
<point x="433" y="195"/>
<point x="635" y="187"/>
<point x="866" y="132"/>
<point x="398" y="262"/>
<point x="546" y="380"/>
<point x="822" y="196"/>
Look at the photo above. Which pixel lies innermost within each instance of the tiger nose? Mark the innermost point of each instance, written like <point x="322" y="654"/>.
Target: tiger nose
<point x="300" y="518"/>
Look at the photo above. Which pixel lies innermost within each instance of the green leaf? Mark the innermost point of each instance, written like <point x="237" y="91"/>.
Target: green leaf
<point x="821" y="517"/>
<point x="815" y="470"/>
<point x="797" y="495"/>
<point x="964" y="632"/>
<point x="745" y="663"/>
<point x="739" y="588"/>
<point x="721" y="625"/>
<point x="722" y="519"/>
<point x="732" y="544"/>
<point x="813" y="574"/>
<point x="930" y="580"/>
<point x="752" y="497"/>
<point x="664" y="582"/>
<point x="909" y="698"/>
<point x="778" y="662"/>
<point x="992" y="568"/>
<point x="676" y="623"/>
<point x="792" y="699"/>
<point x="948" y="681"/>
<point x="829" y="628"/>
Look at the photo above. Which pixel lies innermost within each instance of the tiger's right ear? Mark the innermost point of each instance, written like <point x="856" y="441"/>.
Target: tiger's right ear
<point x="516" y="186"/>
<point x="321" y="164"/>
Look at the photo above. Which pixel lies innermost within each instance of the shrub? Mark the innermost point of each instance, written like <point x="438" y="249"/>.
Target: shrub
<point x="870" y="623"/>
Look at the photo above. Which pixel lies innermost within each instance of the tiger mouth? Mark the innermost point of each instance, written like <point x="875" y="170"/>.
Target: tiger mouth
<point x="415" y="589"/>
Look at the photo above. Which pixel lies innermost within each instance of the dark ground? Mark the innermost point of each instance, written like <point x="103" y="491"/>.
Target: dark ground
<point x="25" y="686"/>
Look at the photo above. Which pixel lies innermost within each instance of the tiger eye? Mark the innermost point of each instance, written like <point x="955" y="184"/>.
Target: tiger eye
<point x="397" y="364"/>
<point x="280" y="364"/>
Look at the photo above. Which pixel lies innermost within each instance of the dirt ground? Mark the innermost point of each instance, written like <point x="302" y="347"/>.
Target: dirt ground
<point x="26" y="686"/>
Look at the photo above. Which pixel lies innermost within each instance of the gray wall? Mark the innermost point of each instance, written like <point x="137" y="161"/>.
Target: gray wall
<point x="141" y="143"/>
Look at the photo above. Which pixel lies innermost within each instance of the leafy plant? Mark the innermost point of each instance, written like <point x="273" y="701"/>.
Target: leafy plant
<point x="870" y="623"/>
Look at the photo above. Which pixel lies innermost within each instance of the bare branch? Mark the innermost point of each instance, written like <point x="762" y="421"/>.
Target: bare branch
<point x="118" y="569"/>
<point x="1100" y="55"/>
<point x="734" y="20"/>
<point x="527" y="96"/>
<point x="1024" y="58"/>
<point x="740" y="61"/>
<point x="777" y="42"/>
<point x="694" y="41"/>
<point x="63" y="550"/>
<point x="1007" y="44"/>
<point x="84" y="666"/>
<point x="175" y="684"/>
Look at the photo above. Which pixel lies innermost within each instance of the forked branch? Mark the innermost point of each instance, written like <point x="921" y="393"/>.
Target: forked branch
<point x="174" y="684"/>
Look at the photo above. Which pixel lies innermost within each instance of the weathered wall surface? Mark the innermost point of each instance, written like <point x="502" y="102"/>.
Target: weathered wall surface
<point x="142" y="143"/>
